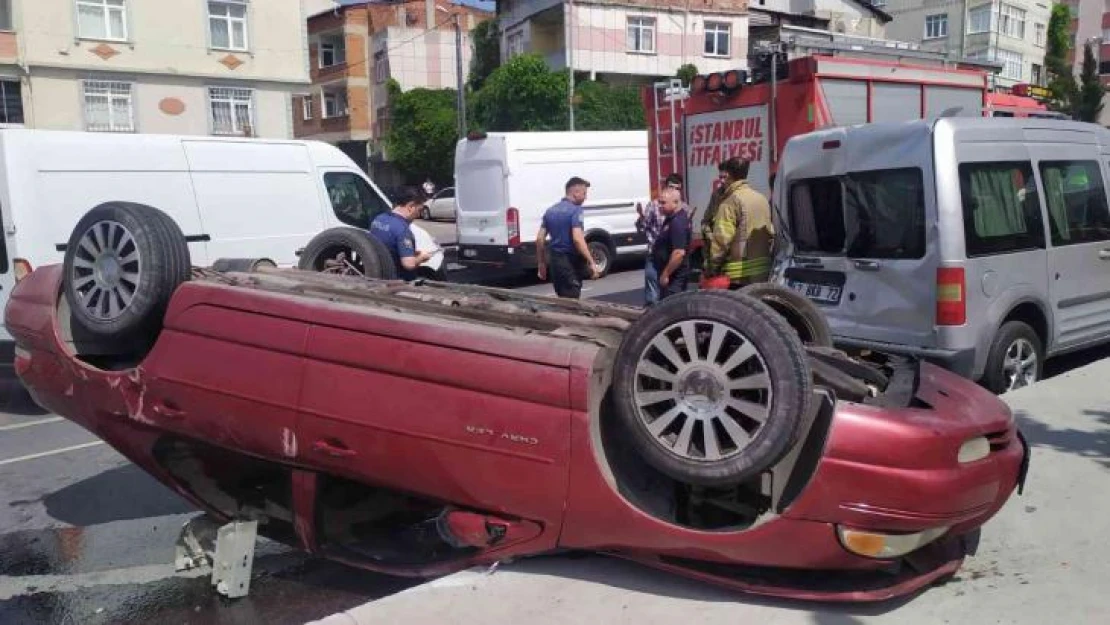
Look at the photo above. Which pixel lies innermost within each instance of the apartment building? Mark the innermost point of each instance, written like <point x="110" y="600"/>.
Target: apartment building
<point x="355" y="48"/>
<point x="194" y="67"/>
<point x="11" y="76"/>
<point x="1012" y="33"/>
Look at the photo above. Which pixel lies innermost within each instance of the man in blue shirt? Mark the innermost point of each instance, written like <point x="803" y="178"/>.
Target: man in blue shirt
<point x="393" y="230"/>
<point x="570" y="255"/>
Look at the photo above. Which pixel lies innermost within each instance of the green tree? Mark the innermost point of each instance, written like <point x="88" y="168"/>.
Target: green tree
<point x="422" y="133"/>
<point x="687" y="73"/>
<point x="486" y="39"/>
<point x="1089" y="103"/>
<point x="1061" y="77"/>
<point x="608" y="107"/>
<point x="522" y="94"/>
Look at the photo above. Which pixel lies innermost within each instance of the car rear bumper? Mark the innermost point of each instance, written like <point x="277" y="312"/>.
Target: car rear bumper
<point x="959" y="361"/>
<point x="498" y="257"/>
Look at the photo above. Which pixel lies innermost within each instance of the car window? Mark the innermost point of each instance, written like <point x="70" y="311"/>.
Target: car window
<point x="355" y="203"/>
<point x="816" y="216"/>
<point x="1001" y="208"/>
<point x="446" y="194"/>
<point x="1076" y="202"/>
<point x="884" y="213"/>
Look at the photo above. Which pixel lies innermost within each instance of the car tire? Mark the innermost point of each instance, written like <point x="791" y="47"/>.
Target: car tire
<point x="122" y="264"/>
<point x="1015" y="339"/>
<point x="367" y="255"/>
<point x="803" y="315"/>
<point x="602" y="255"/>
<point x="655" y="378"/>
<point x="242" y="265"/>
<point x="426" y="214"/>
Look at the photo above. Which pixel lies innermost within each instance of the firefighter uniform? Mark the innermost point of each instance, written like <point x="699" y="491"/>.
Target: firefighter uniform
<point x="738" y="235"/>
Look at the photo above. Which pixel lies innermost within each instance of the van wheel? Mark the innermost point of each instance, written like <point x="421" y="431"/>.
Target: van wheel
<point x="1016" y="358"/>
<point x="122" y="264"/>
<point x="349" y="252"/>
<point x="802" y="314"/>
<point x="602" y="255"/>
<point x="712" y="387"/>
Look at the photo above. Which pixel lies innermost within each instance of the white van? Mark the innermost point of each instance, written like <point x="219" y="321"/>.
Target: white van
<point x="504" y="181"/>
<point x="232" y="197"/>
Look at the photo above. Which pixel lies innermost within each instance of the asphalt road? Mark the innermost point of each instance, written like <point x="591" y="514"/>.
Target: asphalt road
<point x="85" y="537"/>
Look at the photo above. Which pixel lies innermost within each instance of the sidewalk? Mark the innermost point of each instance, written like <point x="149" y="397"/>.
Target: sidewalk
<point x="1039" y="560"/>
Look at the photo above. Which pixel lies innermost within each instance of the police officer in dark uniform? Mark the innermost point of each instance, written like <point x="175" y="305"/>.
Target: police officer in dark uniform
<point x="393" y="230"/>
<point x="571" y="261"/>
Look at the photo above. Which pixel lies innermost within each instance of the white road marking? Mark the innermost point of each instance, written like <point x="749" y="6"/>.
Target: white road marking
<point x="17" y="426"/>
<point x="11" y="587"/>
<point x="52" y="452"/>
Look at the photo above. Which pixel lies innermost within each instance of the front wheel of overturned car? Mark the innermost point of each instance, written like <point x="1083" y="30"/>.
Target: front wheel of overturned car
<point x="122" y="264"/>
<point x="802" y="314"/>
<point x="348" y="251"/>
<point x="712" y="386"/>
<point x="1016" y="358"/>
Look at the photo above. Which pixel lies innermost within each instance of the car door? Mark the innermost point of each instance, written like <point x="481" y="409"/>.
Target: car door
<point x="1074" y="189"/>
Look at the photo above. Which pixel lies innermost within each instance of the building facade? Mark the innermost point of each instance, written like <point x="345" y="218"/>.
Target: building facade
<point x="356" y="48"/>
<point x="1012" y="33"/>
<point x="218" y="67"/>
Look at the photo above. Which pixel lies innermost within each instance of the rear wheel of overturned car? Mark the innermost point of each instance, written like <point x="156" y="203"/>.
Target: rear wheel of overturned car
<point x="1016" y="358"/>
<point x="802" y="314"/>
<point x="348" y="251"/>
<point x="712" y="387"/>
<point x="122" y="264"/>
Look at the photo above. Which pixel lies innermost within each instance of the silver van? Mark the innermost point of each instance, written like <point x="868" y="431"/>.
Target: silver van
<point x="981" y="244"/>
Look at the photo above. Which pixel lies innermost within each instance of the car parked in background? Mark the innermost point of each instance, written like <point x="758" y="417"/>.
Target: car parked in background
<point x="440" y="206"/>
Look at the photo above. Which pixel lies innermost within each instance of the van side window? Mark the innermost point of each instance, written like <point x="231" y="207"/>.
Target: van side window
<point x="885" y="213"/>
<point x="816" y="213"/>
<point x="1076" y="201"/>
<point x="1001" y="208"/>
<point x="355" y="203"/>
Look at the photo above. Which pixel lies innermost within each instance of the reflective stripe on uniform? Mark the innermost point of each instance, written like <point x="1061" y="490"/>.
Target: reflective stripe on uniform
<point x="736" y="269"/>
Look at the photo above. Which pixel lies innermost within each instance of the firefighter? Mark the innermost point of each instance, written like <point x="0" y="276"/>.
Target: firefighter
<point x="737" y="230"/>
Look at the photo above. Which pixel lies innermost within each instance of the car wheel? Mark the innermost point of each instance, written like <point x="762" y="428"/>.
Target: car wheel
<point x="348" y="251"/>
<point x="602" y="255"/>
<point x="712" y="387"/>
<point x="426" y="214"/>
<point x="802" y="314"/>
<point x="122" y="264"/>
<point x="1016" y="358"/>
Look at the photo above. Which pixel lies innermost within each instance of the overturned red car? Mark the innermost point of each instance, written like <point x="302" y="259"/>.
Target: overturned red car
<point x="423" y="428"/>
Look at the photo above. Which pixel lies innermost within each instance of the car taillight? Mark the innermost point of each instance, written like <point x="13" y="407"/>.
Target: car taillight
<point x="512" y="220"/>
<point x="21" y="269"/>
<point x="951" y="297"/>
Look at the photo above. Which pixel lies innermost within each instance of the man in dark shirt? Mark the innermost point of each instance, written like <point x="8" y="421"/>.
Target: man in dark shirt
<point x="668" y="253"/>
<point x="570" y="255"/>
<point x="393" y="230"/>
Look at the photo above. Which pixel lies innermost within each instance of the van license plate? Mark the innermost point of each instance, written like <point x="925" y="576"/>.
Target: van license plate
<point x="821" y="293"/>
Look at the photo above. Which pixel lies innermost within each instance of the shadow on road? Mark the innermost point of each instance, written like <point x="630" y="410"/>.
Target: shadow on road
<point x="1093" y="443"/>
<point x="123" y="493"/>
<point x="14" y="398"/>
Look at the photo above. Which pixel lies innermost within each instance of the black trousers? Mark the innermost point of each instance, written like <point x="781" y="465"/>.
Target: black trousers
<point x="567" y="272"/>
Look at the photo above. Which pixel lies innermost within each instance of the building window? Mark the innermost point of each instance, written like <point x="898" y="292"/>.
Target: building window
<point x="227" y="24"/>
<point x="335" y="104"/>
<point x="1011" y="21"/>
<point x="641" y="34"/>
<point x="108" y="106"/>
<point x="1011" y="64"/>
<point x="979" y="20"/>
<point x="231" y="111"/>
<point x="717" y="36"/>
<point x="1039" y="34"/>
<point x="102" y="19"/>
<point x="936" y="26"/>
<point x="1036" y="75"/>
<point x="5" y="14"/>
<point x="306" y="107"/>
<point x="332" y="51"/>
<point x="381" y="122"/>
<point x="515" y="43"/>
<point x="11" y="102"/>
<point x="381" y="67"/>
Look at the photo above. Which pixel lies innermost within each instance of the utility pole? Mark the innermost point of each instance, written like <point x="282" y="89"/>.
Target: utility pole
<point x="570" y="62"/>
<point x="460" y="87"/>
